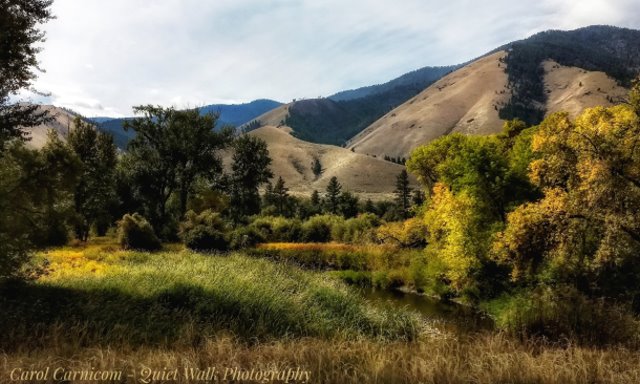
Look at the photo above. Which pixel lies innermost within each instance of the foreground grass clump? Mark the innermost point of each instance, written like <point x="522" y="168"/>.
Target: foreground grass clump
<point x="104" y="296"/>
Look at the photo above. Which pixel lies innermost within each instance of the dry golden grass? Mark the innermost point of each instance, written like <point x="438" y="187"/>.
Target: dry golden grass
<point x="480" y="359"/>
<point x="367" y="176"/>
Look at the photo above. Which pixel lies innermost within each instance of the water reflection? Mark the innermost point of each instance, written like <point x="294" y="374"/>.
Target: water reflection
<point x="449" y="316"/>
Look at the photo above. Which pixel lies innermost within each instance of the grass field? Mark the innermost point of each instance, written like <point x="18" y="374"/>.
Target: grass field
<point x="96" y="307"/>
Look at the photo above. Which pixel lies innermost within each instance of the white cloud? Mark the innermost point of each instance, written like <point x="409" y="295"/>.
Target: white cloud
<point x="104" y="57"/>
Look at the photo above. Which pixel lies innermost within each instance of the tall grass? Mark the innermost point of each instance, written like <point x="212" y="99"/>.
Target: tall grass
<point x="483" y="359"/>
<point x="125" y="297"/>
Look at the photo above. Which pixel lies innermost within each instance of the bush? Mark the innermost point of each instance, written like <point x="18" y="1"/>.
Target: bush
<point x="318" y="229"/>
<point x="245" y="237"/>
<point x="278" y="229"/>
<point x="356" y="230"/>
<point x="410" y="233"/>
<point x="205" y="231"/>
<point x="135" y="232"/>
<point x="565" y="314"/>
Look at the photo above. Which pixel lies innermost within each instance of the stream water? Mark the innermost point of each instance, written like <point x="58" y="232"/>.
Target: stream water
<point x="449" y="316"/>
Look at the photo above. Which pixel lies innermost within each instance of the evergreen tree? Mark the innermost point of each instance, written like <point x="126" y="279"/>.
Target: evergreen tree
<point x="348" y="204"/>
<point x="417" y="198"/>
<point x="280" y="196"/>
<point x="403" y="193"/>
<point x="369" y="207"/>
<point x="315" y="198"/>
<point x="316" y="167"/>
<point x="332" y="196"/>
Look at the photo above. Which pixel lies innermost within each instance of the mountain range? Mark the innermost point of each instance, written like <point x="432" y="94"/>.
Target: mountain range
<point x="525" y="79"/>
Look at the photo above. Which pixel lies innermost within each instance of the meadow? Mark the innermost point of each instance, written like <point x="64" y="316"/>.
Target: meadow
<point x="96" y="306"/>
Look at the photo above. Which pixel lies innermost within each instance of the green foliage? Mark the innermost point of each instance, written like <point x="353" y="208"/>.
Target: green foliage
<point x="316" y="167"/>
<point x="20" y="38"/>
<point x="356" y="230"/>
<point x="94" y="196"/>
<point x="332" y="195"/>
<point x="245" y="237"/>
<point x="35" y="199"/>
<point x="318" y="228"/>
<point x="135" y="232"/>
<point x="278" y="229"/>
<point x="205" y="231"/>
<point x="171" y="150"/>
<point x="403" y="193"/>
<point x="250" y="169"/>
<point x="564" y="314"/>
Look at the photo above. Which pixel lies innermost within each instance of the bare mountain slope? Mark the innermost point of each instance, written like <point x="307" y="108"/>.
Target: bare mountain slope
<point x="468" y="100"/>
<point x="358" y="173"/>
<point x="61" y="121"/>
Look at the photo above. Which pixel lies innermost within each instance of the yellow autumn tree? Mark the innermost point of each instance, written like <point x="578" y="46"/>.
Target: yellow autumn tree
<point x="586" y="229"/>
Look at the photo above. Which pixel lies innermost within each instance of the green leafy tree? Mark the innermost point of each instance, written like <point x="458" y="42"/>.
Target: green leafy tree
<point x="95" y="193"/>
<point x="332" y="195"/>
<point x="36" y="199"/>
<point x="172" y="149"/>
<point x="19" y="36"/>
<point x="403" y="193"/>
<point x="250" y="170"/>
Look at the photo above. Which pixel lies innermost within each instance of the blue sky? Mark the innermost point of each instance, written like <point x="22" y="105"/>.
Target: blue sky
<point x="103" y="57"/>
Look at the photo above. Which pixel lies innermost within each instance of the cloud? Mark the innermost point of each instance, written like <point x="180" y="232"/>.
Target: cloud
<point x="104" y="57"/>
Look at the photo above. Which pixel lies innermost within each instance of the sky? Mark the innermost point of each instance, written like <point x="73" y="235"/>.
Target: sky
<point x="103" y="57"/>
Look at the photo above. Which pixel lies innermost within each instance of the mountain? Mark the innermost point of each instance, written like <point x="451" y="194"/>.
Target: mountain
<point x="238" y="114"/>
<point x="527" y="79"/>
<point x="60" y="120"/>
<point x="234" y="114"/>
<point x="292" y="159"/>
<point x="336" y="119"/>
<point x="418" y="79"/>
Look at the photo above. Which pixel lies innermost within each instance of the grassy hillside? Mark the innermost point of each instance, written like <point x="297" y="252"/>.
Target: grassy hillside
<point x="340" y="117"/>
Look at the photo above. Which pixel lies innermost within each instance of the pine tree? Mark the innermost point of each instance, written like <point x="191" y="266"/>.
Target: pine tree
<point x="280" y="196"/>
<point x="316" y="167"/>
<point x="403" y="193"/>
<point x="332" y="196"/>
<point x="315" y="198"/>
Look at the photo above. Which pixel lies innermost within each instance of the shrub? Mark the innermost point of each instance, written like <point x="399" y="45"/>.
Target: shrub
<point x="318" y="228"/>
<point x="356" y="230"/>
<point x="407" y="234"/>
<point x="278" y="229"/>
<point x="563" y="313"/>
<point x="245" y="237"/>
<point x="205" y="231"/>
<point x="135" y="232"/>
